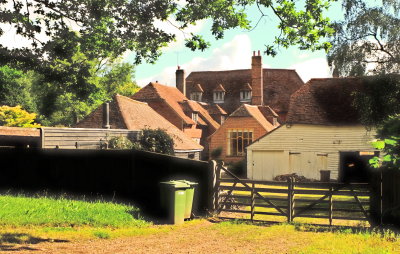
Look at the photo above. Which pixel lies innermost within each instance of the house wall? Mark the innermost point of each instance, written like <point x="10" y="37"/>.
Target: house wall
<point x="219" y="138"/>
<point x="305" y="150"/>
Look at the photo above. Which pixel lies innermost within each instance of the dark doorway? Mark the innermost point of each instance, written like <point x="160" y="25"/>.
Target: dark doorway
<point x="354" y="166"/>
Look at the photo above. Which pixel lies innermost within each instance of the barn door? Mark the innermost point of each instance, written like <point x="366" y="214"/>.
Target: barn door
<point x="267" y="165"/>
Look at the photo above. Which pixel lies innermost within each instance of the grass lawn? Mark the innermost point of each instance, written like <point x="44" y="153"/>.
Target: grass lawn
<point x="60" y="225"/>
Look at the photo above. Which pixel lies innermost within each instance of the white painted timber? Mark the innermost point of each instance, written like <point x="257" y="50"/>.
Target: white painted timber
<point x="305" y="149"/>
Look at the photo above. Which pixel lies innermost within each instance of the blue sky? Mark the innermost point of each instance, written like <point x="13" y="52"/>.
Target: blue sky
<point x="233" y="52"/>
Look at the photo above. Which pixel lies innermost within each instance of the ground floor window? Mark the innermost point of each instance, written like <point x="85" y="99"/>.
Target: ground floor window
<point x="237" y="140"/>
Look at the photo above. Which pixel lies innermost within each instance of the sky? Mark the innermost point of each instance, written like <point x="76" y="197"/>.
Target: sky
<point x="234" y="51"/>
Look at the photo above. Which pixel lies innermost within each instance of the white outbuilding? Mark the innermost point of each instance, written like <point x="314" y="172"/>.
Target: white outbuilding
<point x="322" y="133"/>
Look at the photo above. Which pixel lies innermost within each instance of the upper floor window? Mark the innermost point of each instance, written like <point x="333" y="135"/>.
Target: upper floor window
<point x="238" y="140"/>
<point x="195" y="117"/>
<point x="245" y="96"/>
<point x="196" y="96"/>
<point x="219" y="96"/>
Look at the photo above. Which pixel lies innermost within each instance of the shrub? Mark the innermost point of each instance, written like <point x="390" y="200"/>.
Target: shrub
<point x="157" y="141"/>
<point x="17" y="117"/>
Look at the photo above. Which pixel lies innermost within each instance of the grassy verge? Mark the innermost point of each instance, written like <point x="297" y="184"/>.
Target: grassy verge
<point x="27" y="219"/>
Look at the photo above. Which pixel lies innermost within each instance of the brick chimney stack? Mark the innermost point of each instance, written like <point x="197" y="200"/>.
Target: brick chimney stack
<point x="257" y="97"/>
<point x="180" y="80"/>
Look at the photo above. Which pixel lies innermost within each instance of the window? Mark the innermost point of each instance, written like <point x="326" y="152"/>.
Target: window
<point x="222" y="119"/>
<point x="196" y="96"/>
<point x="195" y="116"/>
<point x="191" y="155"/>
<point x="238" y="139"/>
<point x="219" y="96"/>
<point x="245" y="96"/>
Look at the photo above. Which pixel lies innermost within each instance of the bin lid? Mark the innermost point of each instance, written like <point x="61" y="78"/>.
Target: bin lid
<point x="176" y="184"/>
<point x="189" y="182"/>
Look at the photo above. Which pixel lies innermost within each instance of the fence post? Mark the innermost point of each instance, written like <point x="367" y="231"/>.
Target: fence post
<point x="252" y="201"/>
<point x="216" y="183"/>
<point x="330" y="205"/>
<point x="290" y="200"/>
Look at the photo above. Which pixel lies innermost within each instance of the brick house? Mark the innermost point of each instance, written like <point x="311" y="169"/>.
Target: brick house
<point x="244" y="125"/>
<point x="228" y="90"/>
<point x="126" y="113"/>
<point x="189" y="116"/>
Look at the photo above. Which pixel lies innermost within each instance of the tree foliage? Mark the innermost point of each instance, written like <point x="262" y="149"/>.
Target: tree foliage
<point x="367" y="41"/>
<point x="16" y="117"/>
<point x="105" y="29"/>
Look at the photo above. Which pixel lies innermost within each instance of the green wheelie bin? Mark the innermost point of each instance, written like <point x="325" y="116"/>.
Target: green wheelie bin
<point x="189" y="198"/>
<point x="173" y="200"/>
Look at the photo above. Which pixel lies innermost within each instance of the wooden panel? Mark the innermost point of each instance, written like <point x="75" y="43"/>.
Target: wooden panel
<point x="323" y="142"/>
<point x="66" y="138"/>
<point x="267" y="165"/>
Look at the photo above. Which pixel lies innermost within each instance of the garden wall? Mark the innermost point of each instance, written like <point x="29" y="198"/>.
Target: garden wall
<point x="123" y="174"/>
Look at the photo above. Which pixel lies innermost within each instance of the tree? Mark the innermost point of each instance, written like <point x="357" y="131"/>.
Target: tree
<point x="107" y="28"/>
<point x="15" y="88"/>
<point x="367" y="41"/>
<point x="17" y="117"/>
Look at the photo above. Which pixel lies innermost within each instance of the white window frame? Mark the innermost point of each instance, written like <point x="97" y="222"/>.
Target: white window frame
<point x="237" y="137"/>
<point x="245" y="95"/>
<point x="196" y="96"/>
<point x="219" y="96"/>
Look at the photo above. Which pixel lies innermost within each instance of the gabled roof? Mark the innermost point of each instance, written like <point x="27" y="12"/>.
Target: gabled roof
<point x="326" y="101"/>
<point x="171" y="95"/>
<point x="198" y="88"/>
<point x="279" y="85"/>
<point x="253" y="111"/>
<point x="137" y="115"/>
<point x="246" y="87"/>
<point x="195" y="106"/>
<point x="213" y="109"/>
<point x="219" y="88"/>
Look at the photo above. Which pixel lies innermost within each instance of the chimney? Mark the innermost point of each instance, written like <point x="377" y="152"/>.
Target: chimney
<point x="106" y="115"/>
<point x="180" y="80"/>
<point x="257" y="85"/>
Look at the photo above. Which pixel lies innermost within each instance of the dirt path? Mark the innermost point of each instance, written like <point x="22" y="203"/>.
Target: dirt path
<point x="198" y="238"/>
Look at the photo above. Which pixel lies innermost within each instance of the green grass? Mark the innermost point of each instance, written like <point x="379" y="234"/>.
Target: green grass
<point x="64" y="213"/>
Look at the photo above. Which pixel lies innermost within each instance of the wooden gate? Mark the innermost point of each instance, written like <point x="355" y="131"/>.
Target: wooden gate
<point x="270" y="200"/>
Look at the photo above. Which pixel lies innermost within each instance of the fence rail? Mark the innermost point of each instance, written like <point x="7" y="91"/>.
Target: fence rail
<point x="322" y="200"/>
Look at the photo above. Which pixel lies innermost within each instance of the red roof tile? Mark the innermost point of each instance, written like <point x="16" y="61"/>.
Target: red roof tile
<point x="18" y="131"/>
<point x="253" y="111"/>
<point x="138" y="115"/>
<point x="325" y="101"/>
<point x="195" y="106"/>
<point x="279" y="85"/>
<point x="198" y="88"/>
<point x="219" y="88"/>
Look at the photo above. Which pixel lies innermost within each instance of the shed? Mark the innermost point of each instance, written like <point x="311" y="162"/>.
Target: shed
<point x="322" y="132"/>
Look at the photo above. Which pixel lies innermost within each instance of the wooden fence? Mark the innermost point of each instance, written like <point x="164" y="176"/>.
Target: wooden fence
<point x="82" y="138"/>
<point x="267" y="199"/>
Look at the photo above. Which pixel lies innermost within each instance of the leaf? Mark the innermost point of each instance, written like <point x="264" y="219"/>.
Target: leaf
<point x="379" y="144"/>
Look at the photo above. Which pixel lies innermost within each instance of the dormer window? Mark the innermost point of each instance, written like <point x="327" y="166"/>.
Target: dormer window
<point x="219" y="94"/>
<point x="219" y="97"/>
<point x="245" y="96"/>
<point x="196" y="93"/>
<point x="196" y="96"/>
<point x="245" y="93"/>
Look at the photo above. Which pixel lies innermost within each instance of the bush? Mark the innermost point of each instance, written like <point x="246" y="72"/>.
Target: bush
<point x="238" y="168"/>
<point x="17" y="117"/>
<point x="157" y="141"/>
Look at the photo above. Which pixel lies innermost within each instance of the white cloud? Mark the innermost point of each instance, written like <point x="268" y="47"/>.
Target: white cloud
<point x="235" y="54"/>
<point x="314" y="68"/>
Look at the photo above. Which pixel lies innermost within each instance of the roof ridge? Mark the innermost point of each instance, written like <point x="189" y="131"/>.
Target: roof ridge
<point x="130" y="99"/>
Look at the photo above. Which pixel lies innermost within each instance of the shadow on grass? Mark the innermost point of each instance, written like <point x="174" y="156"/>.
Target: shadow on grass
<point x="9" y="240"/>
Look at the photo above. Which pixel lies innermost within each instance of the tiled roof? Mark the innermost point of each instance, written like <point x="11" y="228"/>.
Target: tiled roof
<point x="171" y="95"/>
<point x="18" y="131"/>
<point x="138" y="115"/>
<point x="256" y="113"/>
<point x="246" y="87"/>
<point x="279" y="85"/>
<point x="325" y="101"/>
<point x="195" y="106"/>
<point x="213" y="109"/>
